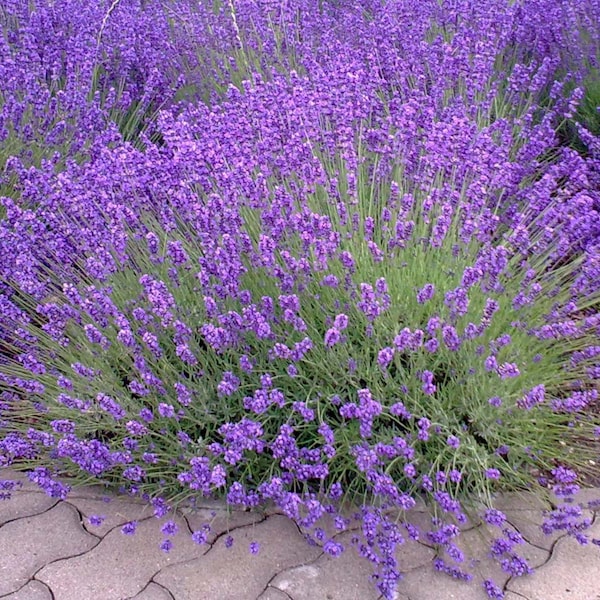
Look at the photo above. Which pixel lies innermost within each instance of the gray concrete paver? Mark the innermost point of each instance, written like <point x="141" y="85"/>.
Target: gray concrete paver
<point x="9" y="474"/>
<point x="220" y="519"/>
<point x="573" y="573"/>
<point x="120" y="565"/>
<point x="584" y="496"/>
<point x="528" y="523"/>
<point x="33" y="590"/>
<point x="116" y="512"/>
<point x="55" y="548"/>
<point x="272" y="593"/>
<point x="24" y="504"/>
<point x="32" y="542"/>
<point x="235" y="574"/>
<point x="345" y="577"/>
<point x="514" y="501"/>
<point x="426" y="584"/>
<point x="153" y="592"/>
<point x="475" y="545"/>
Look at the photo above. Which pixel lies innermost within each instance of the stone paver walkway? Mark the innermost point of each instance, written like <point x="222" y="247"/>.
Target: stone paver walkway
<point x="50" y="551"/>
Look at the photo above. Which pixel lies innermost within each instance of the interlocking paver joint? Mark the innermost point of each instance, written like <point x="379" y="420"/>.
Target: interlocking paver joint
<point x="60" y="556"/>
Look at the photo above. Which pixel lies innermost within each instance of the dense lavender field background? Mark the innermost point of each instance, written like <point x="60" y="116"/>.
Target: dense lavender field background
<point x="305" y="252"/>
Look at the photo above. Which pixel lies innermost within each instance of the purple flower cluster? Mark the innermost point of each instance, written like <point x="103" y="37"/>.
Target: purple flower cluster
<point x="301" y="252"/>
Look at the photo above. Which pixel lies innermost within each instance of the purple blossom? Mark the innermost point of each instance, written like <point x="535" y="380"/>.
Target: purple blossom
<point x="508" y="370"/>
<point x="332" y="337"/>
<point x="129" y="528"/>
<point x="340" y="322"/>
<point x="492" y="473"/>
<point x="169" y="528"/>
<point x="385" y="357"/>
<point x="333" y="548"/>
<point x="425" y="293"/>
<point x="200" y="537"/>
<point x="453" y="442"/>
<point x="254" y="548"/>
<point x="492" y="590"/>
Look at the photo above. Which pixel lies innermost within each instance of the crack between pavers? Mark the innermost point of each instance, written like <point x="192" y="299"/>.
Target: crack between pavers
<point x="211" y="545"/>
<point x="517" y="594"/>
<point x="536" y="545"/>
<point x="166" y="589"/>
<point x="37" y="514"/>
<point x="26" y="584"/>
<point x="82" y="520"/>
<point x="274" y="588"/>
<point x="550" y="551"/>
<point x="101" y="537"/>
<point x="35" y="575"/>
<point x="98" y="542"/>
<point x="151" y="580"/>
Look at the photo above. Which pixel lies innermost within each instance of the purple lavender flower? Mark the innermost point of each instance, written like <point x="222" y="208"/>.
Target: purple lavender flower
<point x="332" y="337"/>
<point x="453" y="442"/>
<point x="508" y="370"/>
<point x="492" y="590"/>
<point x="428" y="386"/>
<point x="340" y="322"/>
<point x="492" y="473"/>
<point x="254" y="548"/>
<point x="129" y="528"/>
<point x="385" y="357"/>
<point x="169" y="528"/>
<point x="333" y="548"/>
<point x="425" y="293"/>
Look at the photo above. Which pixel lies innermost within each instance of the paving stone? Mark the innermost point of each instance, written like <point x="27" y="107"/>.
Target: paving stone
<point x="327" y="524"/>
<point x="117" y="511"/>
<point x="120" y="565"/>
<point x="34" y="590"/>
<point x="588" y="495"/>
<point x="100" y="492"/>
<point x="153" y="592"/>
<point x="272" y="593"/>
<point x="343" y="578"/>
<point x="26" y="485"/>
<point x="24" y="504"/>
<point x="528" y="524"/>
<point x="31" y="542"/>
<point x="572" y="573"/>
<point x="88" y="491"/>
<point x="213" y="575"/>
<point x="476" y="546"/>
<point x="514" y="501"/>
<point x="420" y="520"/>
<point x="347" y="576"/>
<point x="412" y="555"/>
<point x="220" y="519"/>
<point x="427" y="584"/>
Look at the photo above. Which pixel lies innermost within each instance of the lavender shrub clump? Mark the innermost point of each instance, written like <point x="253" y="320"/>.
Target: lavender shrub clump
<point x="304" y="254"/>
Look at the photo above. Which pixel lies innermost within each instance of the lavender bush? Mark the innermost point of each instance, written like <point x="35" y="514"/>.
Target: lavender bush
<point x="361" y="267"/>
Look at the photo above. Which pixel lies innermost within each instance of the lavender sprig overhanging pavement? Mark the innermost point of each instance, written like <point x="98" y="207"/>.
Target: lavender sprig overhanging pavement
<point x="305" y="254"/>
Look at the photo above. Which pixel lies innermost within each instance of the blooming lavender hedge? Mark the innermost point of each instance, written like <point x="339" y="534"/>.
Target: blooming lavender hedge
<point x="350" y="260"/>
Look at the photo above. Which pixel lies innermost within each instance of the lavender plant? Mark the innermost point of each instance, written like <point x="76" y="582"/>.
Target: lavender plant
<point x="350" y="282"/>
